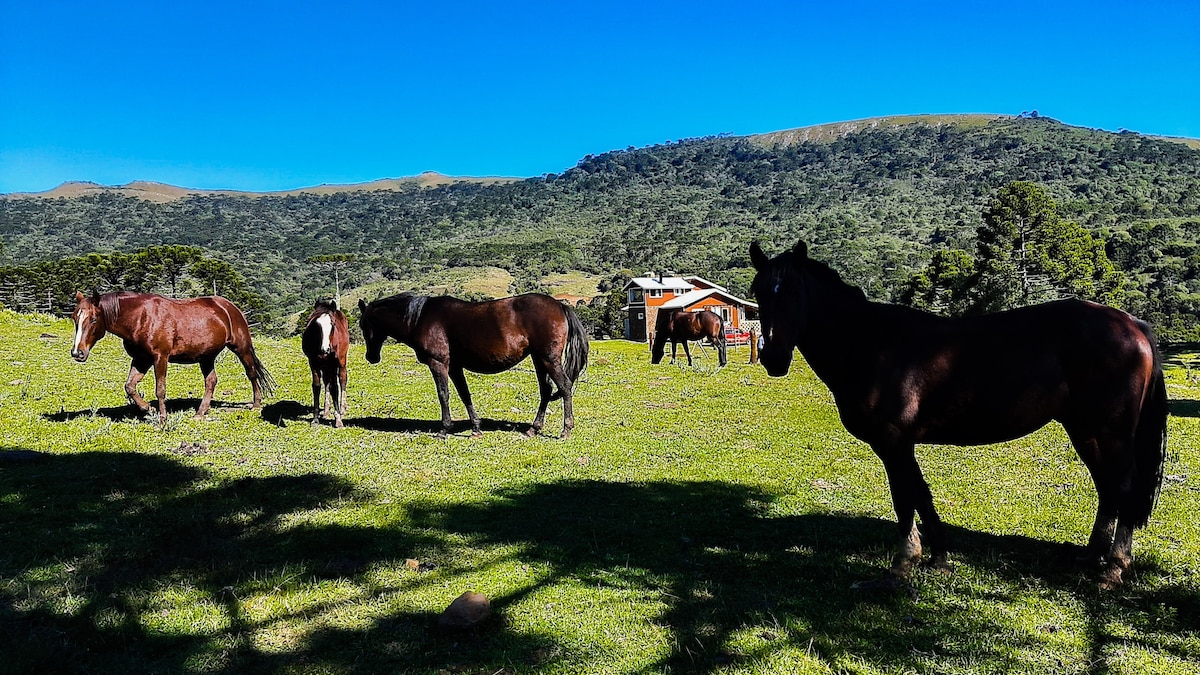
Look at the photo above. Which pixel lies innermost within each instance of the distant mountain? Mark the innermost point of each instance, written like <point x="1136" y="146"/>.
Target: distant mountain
<point x="161" y="192"/>
<point x="873" y="197"/>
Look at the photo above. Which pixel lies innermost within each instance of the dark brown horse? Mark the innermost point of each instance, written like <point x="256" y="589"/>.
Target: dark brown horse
<point x="326" y="342"/>
<point x="157" y="331"/>
<point x="901" y="376"/>
<point x="679" y="326"/>
<point x="450" y="336"/>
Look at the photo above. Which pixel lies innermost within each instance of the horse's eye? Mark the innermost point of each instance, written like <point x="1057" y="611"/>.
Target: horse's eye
<point x="93" y="320"/>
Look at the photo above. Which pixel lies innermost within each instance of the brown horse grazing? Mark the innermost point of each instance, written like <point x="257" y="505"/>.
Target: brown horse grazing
<point x="158" y="330"/>
<point x="450" y="336"/>
<point x="901" y="376"/>
<point x="679" y="326"/>
<point x="326" y="342"/>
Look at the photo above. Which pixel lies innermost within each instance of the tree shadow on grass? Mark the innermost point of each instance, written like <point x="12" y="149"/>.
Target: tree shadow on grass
<point x="103" y="535"/>
<point x="728" y="569"/>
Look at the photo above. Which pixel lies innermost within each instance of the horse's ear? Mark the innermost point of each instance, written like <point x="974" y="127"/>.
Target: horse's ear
<point x="334" y="304"/>
<point x="757" y="256"/>
<point x="800" y="250"/>
<point x="79" y="296"/>
<point x="362" y="305"/>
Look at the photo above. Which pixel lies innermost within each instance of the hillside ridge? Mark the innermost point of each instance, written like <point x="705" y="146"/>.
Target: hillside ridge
<point x="819" y="133"/>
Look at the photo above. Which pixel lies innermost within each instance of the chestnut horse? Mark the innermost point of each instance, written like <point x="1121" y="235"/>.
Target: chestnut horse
<point x="901" y="376"/>
<point x="157" y="331"/>
<point x="678" y="326"/>
<point x="326" y="342"/>
<point x="450" y="336"/>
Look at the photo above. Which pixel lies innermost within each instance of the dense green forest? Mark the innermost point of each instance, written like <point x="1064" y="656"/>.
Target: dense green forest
<point x="879" y="204"/>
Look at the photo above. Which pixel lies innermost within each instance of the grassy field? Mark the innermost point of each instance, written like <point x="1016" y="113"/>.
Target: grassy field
<point x="698" y="520"/>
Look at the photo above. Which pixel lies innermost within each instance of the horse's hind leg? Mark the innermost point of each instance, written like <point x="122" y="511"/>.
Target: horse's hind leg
<point x="208" y="367"/>
<point x="566" y="388"/>
<point x="545" y="392"/>
<point x="160" y="388"/>
<point x="1100" y="542"/>
<point x="687" y="352"/>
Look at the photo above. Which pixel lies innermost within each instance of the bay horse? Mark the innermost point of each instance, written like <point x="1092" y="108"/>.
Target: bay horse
<point x="679" y="326"/>
<point x="450" y="335"/>
<point x="901" y="376"/>
<point x="326" y="342"/>
<point x="158" y="330"/>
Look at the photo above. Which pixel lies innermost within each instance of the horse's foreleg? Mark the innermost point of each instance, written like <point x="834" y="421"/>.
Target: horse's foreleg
<point x="337" y="384"/>
<point x="136" y="373"/>
<point x="160" y="388"/>
<point x="687" y="353"/>
<point x="460" y="384"/>
<point x="316" y="391"/>
<point x="208" y="367"/>
<point x="911" y="495"/>
<point x="674" y="345"/>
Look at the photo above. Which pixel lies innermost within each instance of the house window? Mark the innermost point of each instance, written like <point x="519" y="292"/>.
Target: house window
<point x="655" y="292"/>
<point x="635" y="295"/>
<point x="641" y="315"/>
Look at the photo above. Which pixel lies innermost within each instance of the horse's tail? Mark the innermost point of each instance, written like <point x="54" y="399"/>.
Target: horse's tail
<point x="722" y="354"/>
<point x="575" y="354"/>
<point x="265" y="381"/>
<point x="1149" y="444"/>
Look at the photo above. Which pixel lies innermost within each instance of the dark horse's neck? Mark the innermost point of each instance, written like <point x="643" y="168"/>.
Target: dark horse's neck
<point x="834" y="323"/>
<point x="406" y="310"/>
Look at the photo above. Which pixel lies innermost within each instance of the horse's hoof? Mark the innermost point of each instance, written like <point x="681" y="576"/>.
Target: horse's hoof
<point x="531" y="432"/>
<point x="476" y="433"/>
<point x="198" y="418"/>
<point x="566" y="433"/>
<point x="338" y="425"/>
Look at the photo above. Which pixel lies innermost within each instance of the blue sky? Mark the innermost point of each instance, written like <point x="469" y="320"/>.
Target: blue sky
<point x="277" y="95"/>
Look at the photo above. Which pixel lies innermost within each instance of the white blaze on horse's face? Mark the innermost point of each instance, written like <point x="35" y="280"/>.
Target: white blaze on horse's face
<point x="84" y="317"/>
<point x="326" y="324"/>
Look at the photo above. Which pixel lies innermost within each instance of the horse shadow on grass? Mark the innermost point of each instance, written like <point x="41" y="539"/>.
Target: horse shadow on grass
<point x="735" y="582"/>
<point x="130" y="412"/>
<point x="281" y="412"/>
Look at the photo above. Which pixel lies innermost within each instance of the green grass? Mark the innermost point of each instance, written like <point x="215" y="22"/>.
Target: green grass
<point x="698" y="520"/>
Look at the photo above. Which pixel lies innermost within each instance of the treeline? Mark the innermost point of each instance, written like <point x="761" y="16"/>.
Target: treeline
<point x="879" y="205"/>
<point x="171" y="270"/>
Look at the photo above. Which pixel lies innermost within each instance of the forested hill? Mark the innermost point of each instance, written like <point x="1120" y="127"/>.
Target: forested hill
<point x="876" y="200"/>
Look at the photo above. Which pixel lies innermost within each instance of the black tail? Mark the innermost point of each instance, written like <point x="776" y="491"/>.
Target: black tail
<point x="1149" y="445"/>
<point x="265" y="381"/>
<point x="722" y="354"/>
<point x="575" y="355"/>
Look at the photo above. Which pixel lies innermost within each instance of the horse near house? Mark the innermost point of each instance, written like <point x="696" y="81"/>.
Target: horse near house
<point x="680" y="326"/>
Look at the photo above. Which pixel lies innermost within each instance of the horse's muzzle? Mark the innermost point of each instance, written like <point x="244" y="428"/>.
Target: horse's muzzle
<point x="776" y="364"/>
<point x="372" y="358"/>
<point x="80" y="355"/>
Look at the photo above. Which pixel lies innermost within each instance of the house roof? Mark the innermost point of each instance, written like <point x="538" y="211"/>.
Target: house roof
<point x="692" y="297"/>
<point x="656" y="283"/>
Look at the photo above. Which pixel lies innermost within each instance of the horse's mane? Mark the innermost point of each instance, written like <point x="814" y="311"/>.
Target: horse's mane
<point x="829" y="277"/>
<point x="110" y="304"/>
<point x="326" y="304"/>
<point x="408" y="305"/>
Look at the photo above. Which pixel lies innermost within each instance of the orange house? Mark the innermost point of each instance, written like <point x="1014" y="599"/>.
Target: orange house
<point x="647" y="294"/>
